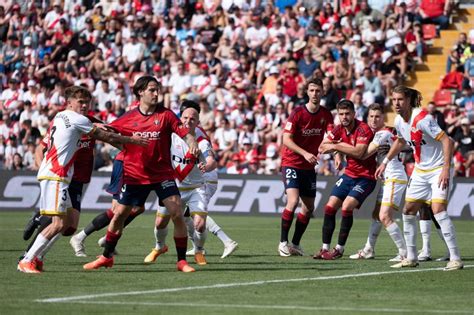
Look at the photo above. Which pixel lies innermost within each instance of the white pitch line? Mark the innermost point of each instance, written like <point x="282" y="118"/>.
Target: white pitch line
<point x="280" y="307"/>
<point x="231" y="285"/>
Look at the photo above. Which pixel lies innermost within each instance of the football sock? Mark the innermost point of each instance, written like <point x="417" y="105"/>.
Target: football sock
<point x="425" y="230"/>
<point x="374" y="232"/>
<point x="199" y="239"/>
<point x="98" y="223"/>
<point x="81" y="236"/>
<point x="181" y="246"/>
<point x="301" y="224"/>
<point x="346" y="225"/>
<point x="48" y="246"/>
<point x="329" y="224"/>
<point x="190" y="226"/>
<point x="397" y="237"/>
<point x="160" y="236"/>
<point x="44" y="221"/>
<point x="111" y="240"/>
<point x="37" y="247"/>
<point x="449" y="233"/>
<point x="215" y="229"/>
<point x="286" y="220"/>
<point x="409" y="228"/>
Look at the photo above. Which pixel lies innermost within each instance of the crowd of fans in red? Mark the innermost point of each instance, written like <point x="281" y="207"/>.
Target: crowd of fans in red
<point x="245" y="62"/>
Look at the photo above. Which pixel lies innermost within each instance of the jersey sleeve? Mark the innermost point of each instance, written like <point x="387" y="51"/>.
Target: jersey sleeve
<point x="430" y="127"/>
<point x="176" y="126"/>
<point x="205" y="147"/>
<point x="83" y="124"/>
<point x="335" y="133"/>
<point x="291" y="123"/>
<point x="380" y="137"/>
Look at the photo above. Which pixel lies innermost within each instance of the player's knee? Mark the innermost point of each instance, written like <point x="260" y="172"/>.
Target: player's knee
<point x="329" y="210"/>
<point x="69" y="231"/>
<point x="137" y="210"/>
<point x="386" y="219"/>
<point x="199" y="224"/>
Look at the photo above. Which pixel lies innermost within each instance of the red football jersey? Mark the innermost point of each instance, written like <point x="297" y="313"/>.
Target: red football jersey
<point x="360" y="134"/>
<point x="150" y="164"/>
<point x="308" y="132"/>
<point x="84" y="161"/>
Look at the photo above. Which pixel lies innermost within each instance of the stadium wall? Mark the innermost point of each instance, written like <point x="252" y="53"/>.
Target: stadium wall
<point x="236" y="194"/>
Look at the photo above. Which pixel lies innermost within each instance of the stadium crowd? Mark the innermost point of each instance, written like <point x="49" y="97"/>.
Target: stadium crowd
<point x="245" y="62"/>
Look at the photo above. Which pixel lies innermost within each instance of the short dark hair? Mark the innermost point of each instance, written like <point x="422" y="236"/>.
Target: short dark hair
<point x="142" y="84"/>
<point x="189" y="104"/>
<point x="315" y="81"/>
<point x="414" y="96"/>
<point x="345" y="104"/>
<point x="377" y="106"/>
<point x="77" y="91"/>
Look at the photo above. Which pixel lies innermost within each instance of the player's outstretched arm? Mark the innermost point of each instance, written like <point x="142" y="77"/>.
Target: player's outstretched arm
<point x="111" y="137"/>
<point x="190" y="140"/>
<point x="370" y="151"/>
<point x="356" y="152"/>
<point x="290" y="144"/>
<point x="396" y="148"/>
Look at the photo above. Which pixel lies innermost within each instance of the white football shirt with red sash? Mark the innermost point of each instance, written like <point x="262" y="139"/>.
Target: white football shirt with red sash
<point x="422" y="133"/>
<point x="185" y="164"/>
<point x="63" y="139"/>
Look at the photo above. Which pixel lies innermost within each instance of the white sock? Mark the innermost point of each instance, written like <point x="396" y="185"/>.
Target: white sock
<point x="37" y="248"/>
<point x="374" y="232"/>
<point x="409" y="228"/>
<point x="199" y="239"/>
<point x="160" y="236"/>
<point x="449" y="234"/>
<point x="81" y="236"/>
<point x="340" y="248"/>
<point x="48" y="246"/>
<point x="397" y="237"/>
<point x="440" y="234"/>
<point x="425" y="230"/>
<point x="326" y="246"/>
<point x="190" y="226"/>
<point x="215" y="229"/>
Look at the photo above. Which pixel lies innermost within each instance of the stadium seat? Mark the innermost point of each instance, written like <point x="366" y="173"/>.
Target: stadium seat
<point x="429" y="31"/>
<point x="442" y="97"/>
<point x="452" y="80"/>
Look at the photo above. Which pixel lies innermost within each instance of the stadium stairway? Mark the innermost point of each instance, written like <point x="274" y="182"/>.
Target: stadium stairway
<point x="427" y="76"/>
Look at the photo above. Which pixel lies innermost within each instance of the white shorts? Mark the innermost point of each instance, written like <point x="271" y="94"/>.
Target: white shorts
<point x="194" y="198"/>
<point x="211" y="188"/>
<point x="423" y="186"/>
<point x="54" y="198"/>
<point x="391" y="193"/>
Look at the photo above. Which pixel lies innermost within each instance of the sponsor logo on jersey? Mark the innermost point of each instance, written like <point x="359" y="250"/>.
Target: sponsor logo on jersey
<point x="181" y="160"/>
<point x="84" y="144"/>
<point x="311" y="132"/>
<point x="151" y="135"/>
<point x="413" y="143"/>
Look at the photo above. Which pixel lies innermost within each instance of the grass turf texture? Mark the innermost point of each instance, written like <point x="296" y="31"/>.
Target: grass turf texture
<point x="395" y="292"/>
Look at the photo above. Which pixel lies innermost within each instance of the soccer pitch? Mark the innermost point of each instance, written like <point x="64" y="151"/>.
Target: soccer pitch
<point x="254" y="280"/>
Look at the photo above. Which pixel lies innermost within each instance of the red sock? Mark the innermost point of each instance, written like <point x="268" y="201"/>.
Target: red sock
<point x="286" y="220"/>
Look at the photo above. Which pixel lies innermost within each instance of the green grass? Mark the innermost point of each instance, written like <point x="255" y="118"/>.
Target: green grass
<point x="256" y="260"/>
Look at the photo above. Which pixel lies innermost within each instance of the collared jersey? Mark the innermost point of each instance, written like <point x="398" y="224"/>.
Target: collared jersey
<point x="150" y="164"/>
<point x="422" y="133"/>
<point x="384" y="139"/>
<point x="63" y="141"/>
<point x="360" y="134"/>
<point x="308" y="131"/>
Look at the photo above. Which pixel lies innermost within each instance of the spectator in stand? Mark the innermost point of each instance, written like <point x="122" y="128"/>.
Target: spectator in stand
<point x="28" y="134"/>
<point x="299" y="99"/>
<point x="466" y="101"/>
<point x="367" y="14"/>
<point x="226" y="139"/>
<point x="307" y="64"/>
<point x="434" y="11"/>
<point x="373" y="85"/>
<point x="464" y="142"/>
<point x="330" y="97"/>
<point x="291" y="79"/>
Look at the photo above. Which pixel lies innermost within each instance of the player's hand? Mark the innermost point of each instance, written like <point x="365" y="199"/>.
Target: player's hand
<point x="104" y="127"/>
<point x="338" y="162"/>
<point x="202" y="167"/>
<point x="138" y="141"/>
<point x="311" y="158"/>
<point x="379" y="171"/>
<point x="194" y="150"/>
<point x="443" y="181"/>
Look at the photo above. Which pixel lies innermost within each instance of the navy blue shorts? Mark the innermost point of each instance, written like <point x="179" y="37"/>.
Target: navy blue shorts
<point x="75" y="193"/>
<point x="304" y="180"/>
<point x="136" y="195"/>
<point x="358" y="188"/>
<point x="116" y="179"/>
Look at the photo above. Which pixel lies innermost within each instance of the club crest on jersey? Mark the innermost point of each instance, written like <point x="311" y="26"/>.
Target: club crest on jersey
<point x="156" y="122"/>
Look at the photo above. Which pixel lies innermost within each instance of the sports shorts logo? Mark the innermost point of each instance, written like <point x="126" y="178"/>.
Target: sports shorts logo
<point x="167" y="184"/>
